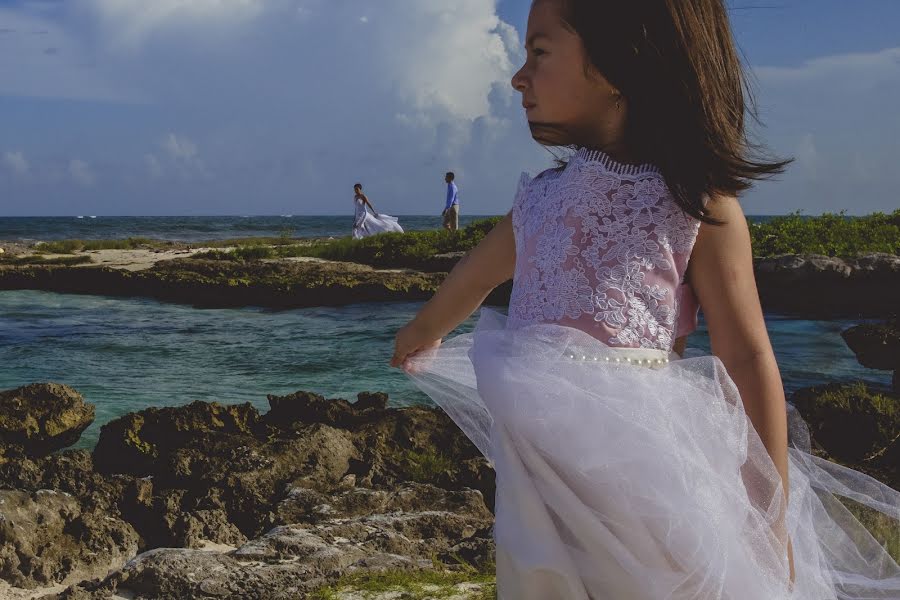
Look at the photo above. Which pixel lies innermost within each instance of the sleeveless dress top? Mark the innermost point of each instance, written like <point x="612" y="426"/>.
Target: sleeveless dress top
<point x="603" y="247"/>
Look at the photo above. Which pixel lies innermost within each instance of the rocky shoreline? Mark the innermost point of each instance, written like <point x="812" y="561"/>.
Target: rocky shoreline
<point x="213" y="501"/>
<point x="806" y="286"/>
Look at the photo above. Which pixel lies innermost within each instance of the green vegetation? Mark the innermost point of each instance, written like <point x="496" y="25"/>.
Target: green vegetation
<point x="39" y="259"/>
<point x="882" y="527"/>
<point x="72" y="246"/>
<point x="241" y="253"/>
<point x="403" y="249"/>
<point x="426" y="466"/>
<point x="830" y="234"/>
<point x="850" y="396"/>
<point x="283" y="240"/>
<point x="389" y="250"/>
<point x="415" y="585"/>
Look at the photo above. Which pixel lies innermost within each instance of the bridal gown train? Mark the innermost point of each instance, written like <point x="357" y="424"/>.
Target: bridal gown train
<point x="365" y="223"/>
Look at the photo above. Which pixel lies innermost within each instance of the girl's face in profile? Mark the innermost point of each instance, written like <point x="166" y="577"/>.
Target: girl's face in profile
<point x="565" y="102"/>
<point x="357" y="189"/>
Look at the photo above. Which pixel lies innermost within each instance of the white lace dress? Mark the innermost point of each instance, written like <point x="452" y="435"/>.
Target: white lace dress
<point x="623" y="471"/>
<point x="365" y="223"/>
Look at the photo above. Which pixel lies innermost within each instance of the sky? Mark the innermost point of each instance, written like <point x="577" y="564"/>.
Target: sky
<point x="203" y="107"/>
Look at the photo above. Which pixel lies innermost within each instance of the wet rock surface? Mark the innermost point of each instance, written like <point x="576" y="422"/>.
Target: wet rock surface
<point x="877" y="346"/>
<point x="212" y="501"/>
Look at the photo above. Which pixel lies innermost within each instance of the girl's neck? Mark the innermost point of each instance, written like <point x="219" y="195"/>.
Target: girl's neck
<point x="611" y="141"/>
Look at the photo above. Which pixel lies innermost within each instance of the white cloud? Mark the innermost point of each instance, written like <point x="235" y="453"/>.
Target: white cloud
<point x="133" y="21"/>
<point x="837" y="116"/>
<point x="16" y="163"/>
<point x="81" y="172"/>
<point x="180" y="147"/>
<point x="870" y="69"/>
<point x="289" y="102"/>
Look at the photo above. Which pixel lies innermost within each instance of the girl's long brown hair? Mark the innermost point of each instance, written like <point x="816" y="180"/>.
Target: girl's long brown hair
<point x="676" y="64"/>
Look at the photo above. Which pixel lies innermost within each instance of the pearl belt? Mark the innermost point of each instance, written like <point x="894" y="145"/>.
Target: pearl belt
<point x="644" y="357"/>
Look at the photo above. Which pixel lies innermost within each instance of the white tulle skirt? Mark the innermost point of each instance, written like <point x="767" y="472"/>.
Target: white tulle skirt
<point x="618" y="480"/>
<point x="366" y="224"/>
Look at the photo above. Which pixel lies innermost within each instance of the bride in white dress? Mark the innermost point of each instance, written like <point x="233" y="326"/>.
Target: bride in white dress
<point x="366" y="223"/>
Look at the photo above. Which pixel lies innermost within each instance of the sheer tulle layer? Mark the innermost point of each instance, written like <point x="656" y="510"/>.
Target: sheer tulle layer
<point x="367" y="224"/>
<point x="621" y="481"/>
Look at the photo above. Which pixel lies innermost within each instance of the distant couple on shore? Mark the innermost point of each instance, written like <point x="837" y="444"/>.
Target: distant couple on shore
<point x="366" y="223"/>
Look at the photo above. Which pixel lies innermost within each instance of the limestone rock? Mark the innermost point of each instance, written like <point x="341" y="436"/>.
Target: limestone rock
<point x="39" y="418"/>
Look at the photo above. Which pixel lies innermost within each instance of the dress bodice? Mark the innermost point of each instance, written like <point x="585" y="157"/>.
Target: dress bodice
<point x="603" y="247"/>
<point x="359" y="206"/>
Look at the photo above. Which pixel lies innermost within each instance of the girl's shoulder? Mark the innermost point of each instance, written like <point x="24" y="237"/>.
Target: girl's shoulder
<point x="549" y="173"/>
<point x="526" y="180"/>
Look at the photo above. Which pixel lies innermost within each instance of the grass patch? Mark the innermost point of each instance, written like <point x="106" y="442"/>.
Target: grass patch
<point x="282" y="240"/>
<point x="402" y="249"/>
<point x="415" y="585"/>
<point x="239" y="254"/>
<point x="426" y="466"/>
<point x="882" y="527"/>
<point x="849" y="395"/>
<point x="393" y="250"/>
<point x="37" y="259"/>
<point x="829" y="234"/>
<point x="73" y="246"/>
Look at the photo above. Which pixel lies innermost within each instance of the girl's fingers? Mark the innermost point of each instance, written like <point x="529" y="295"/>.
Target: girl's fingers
<point x="400" y="355"/>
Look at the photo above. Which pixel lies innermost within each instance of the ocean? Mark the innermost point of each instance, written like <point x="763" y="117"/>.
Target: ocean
<point x="124" y="355"/>
<point x="128" y="354"/>
<point x="195" y="229"/>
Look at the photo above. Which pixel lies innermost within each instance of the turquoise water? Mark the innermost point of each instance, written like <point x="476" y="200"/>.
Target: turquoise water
<point x="125" y="355"/>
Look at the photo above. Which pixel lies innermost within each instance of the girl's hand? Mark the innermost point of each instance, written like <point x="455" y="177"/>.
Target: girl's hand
<point x="409" y="341"/>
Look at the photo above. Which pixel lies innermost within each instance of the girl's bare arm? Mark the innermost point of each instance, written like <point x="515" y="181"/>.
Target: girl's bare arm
<point x="489" y="264"/>
<point x="721" y="273"/>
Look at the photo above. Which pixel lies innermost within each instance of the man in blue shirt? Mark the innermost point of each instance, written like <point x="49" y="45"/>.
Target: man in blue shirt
<point x="451" y="211"/>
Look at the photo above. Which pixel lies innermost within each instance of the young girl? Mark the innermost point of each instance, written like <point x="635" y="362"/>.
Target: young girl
<point x="623" y="470"/>
<point x="366" y="224"/>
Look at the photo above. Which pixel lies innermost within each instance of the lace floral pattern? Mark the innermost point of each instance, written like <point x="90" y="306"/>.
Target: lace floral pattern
<point x="603" y="247"/>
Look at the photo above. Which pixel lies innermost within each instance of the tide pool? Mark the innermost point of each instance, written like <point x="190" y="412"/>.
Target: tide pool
<point x="124" y="355"/>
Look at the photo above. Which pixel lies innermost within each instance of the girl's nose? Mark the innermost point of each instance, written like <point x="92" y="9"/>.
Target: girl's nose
<point x="519" y="81"/>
